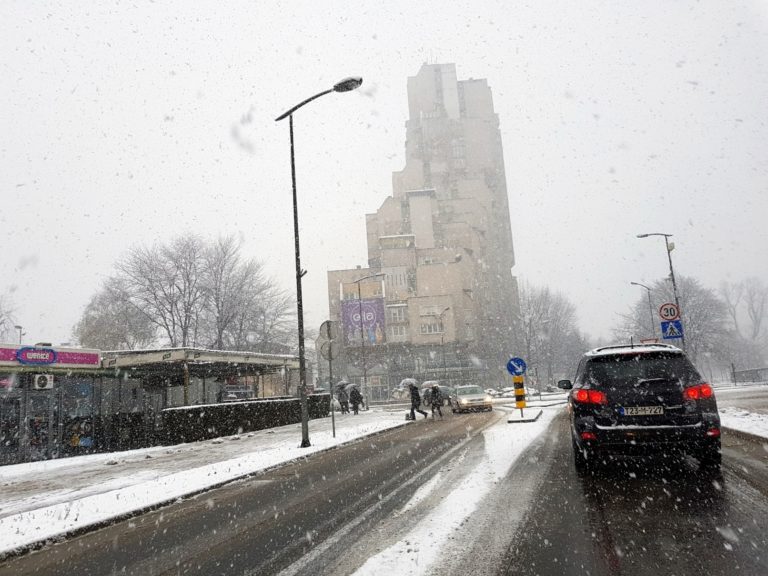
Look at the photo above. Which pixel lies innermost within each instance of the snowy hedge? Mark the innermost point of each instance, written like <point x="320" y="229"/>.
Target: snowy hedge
<point x="193" y="423"/>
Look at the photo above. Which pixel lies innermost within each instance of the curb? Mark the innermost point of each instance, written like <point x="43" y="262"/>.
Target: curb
<point x="64" y="536"/>
<point x="526" y="420"/>
<point x="748" y="436"/>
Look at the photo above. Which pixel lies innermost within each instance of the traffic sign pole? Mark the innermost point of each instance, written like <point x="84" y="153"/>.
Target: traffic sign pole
<point x="519" y="384"/>
<point x="328" y="335"/>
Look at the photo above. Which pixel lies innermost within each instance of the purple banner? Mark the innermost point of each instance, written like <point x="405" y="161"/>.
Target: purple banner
<point x="374" y="327"/>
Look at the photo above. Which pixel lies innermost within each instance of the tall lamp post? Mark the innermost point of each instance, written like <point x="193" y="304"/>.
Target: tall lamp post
<point x="343" y="86"/>
<point x="442" y="343"/>
<point x="670" y="247"/>
<point x="362" y="336"/>
<point x="650" y="307"/>
<point x="19" y="328"/>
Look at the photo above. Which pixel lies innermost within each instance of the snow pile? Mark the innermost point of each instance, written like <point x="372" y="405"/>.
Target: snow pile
<point x="743" y="421"/>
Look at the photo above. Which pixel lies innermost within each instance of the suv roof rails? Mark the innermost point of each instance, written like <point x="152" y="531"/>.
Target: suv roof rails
<point x="649" y="345"/>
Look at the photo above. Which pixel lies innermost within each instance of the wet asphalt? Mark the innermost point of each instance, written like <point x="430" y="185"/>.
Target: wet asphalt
<point x="639" y="518"/>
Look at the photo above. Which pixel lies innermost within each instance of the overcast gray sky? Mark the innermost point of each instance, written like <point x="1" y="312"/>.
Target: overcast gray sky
<point x="132" y="123"/>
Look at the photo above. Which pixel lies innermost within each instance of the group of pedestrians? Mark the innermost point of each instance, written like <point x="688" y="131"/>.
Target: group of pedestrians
<point x="354" y="398"/>
<point x="435" y="401"/>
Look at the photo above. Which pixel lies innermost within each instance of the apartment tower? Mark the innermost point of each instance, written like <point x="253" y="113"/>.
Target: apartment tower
<point x="438" y="299"/>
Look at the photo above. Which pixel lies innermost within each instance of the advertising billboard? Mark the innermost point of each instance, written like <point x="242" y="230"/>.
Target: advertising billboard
<point x="373" y="324"/>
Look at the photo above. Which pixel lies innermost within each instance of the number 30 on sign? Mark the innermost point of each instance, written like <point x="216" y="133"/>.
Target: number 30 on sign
<point x="669" y="311"/>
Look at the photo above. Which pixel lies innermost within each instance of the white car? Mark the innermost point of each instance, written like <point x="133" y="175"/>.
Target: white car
<point x="467" y="398"/>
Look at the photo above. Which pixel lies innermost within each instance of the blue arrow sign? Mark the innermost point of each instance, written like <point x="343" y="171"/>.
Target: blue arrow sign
<point x="672" y="329"/>
<point x="516" y="366"/>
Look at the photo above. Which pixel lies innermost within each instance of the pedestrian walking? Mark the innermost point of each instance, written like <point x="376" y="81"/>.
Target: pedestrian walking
<point x="355" y="398"/>
<point x="415" y="402"/>
<point x="343" y="398"/>
<point x="436" y="399"/>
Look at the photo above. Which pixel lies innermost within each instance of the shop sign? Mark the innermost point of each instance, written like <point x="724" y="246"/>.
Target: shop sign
<point x="36" y="355"/>
<point x="44" y="356"/>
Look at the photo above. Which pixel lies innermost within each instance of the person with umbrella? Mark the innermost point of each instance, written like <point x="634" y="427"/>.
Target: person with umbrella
<point x="343" y="396"/>
<point x="415" y="401"/>
<point x="355" y="398"/>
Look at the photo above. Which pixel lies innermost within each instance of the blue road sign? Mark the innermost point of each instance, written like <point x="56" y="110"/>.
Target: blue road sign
<point x="672" y="329"/>
<point x="516" y="366"/>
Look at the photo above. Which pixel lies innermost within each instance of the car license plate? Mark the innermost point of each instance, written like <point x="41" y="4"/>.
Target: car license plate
<point x="641" y="410"/>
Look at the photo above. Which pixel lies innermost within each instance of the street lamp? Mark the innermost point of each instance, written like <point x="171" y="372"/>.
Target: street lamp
<point x="650" y="307"/>
<point x="362" y="338"/>
<point x="442" y="344"/>
<point x="19" y="328"/>
<point x="670" y="247"/>
<point x="343" y="86"/>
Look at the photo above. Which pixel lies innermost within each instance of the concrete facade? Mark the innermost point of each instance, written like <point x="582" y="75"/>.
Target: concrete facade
<point x="443" y="242"/>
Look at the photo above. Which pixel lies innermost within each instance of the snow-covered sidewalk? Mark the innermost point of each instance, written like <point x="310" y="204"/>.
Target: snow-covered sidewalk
<point x="743" y="421"/>
<point x="41" y="500"/>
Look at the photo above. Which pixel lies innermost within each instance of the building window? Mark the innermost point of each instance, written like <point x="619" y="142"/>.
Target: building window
<point x="397" y="314"/>
<point x="431" y="327"/>
<point x="398" y="333"/>
<point x="428" y="311"/>
<point x="457" y="149"/>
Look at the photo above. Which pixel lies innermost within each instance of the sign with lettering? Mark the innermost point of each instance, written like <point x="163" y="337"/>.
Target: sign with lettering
<point x="47" y="356"/>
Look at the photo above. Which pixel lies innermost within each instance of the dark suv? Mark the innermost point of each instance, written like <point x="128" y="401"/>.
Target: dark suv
<point x="639" y="400"/>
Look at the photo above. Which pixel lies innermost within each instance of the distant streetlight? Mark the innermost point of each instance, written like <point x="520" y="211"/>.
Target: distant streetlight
<point x="670" y="247"/>
<point x="650" y="307"/>
<point x="19" y="328"/>
<point x="362" y="337"/>
<point x="442" y="344"/>
<point x="343" y="86"/>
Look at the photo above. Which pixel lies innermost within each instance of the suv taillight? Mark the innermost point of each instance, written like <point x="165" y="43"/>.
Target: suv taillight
<point x="698" y="392"/>
<point x="583" y="396"/>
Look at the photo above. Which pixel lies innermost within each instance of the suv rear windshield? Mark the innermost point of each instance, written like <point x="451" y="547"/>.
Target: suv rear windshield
<point x="622" y="370"/>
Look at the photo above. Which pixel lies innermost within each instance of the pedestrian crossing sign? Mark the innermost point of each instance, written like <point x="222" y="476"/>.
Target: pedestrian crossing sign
<point x="672" y="329"/>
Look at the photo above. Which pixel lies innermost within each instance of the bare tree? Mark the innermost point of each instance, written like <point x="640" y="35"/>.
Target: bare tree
<point x="755" y="299"/>
<point x="704" y="315"/>
<point x="112" y="322"/>
<point x="746" y="302"/>
<point x="230" y="285"/>
<point x="732" y="295"/>
<point x="166" y="284"/>
<point x="547" y="335"/>
<point x="265" y="322"/>
<point x="190" y="293"/>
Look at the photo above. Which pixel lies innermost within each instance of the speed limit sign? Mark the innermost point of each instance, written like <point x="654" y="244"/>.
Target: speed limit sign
<point x="669" y="311"/>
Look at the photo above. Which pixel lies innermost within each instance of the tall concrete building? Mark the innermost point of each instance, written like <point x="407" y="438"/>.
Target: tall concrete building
<point x="439" y="300"/>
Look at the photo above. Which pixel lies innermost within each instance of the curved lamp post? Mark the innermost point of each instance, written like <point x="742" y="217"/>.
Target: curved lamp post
<point x="343" y="86"/>
<point x="650" y="306"/>
<point x="442" y="343"/>
<point x="670" y="247"/>
<point x="20" y="328"/>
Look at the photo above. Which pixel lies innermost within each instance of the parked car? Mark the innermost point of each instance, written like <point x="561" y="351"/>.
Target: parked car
<point x="467" y="398"/>
<point x="641" y="400"/>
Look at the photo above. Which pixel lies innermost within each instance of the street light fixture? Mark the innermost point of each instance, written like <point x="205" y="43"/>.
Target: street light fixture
<point x="362" y="338"/>
<point x="442" y="344"/>
<point x="650" y="307"/>
<point x="670" y="247"/>
<point x="20" y="328"/>
<point x="343" y="86"/>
